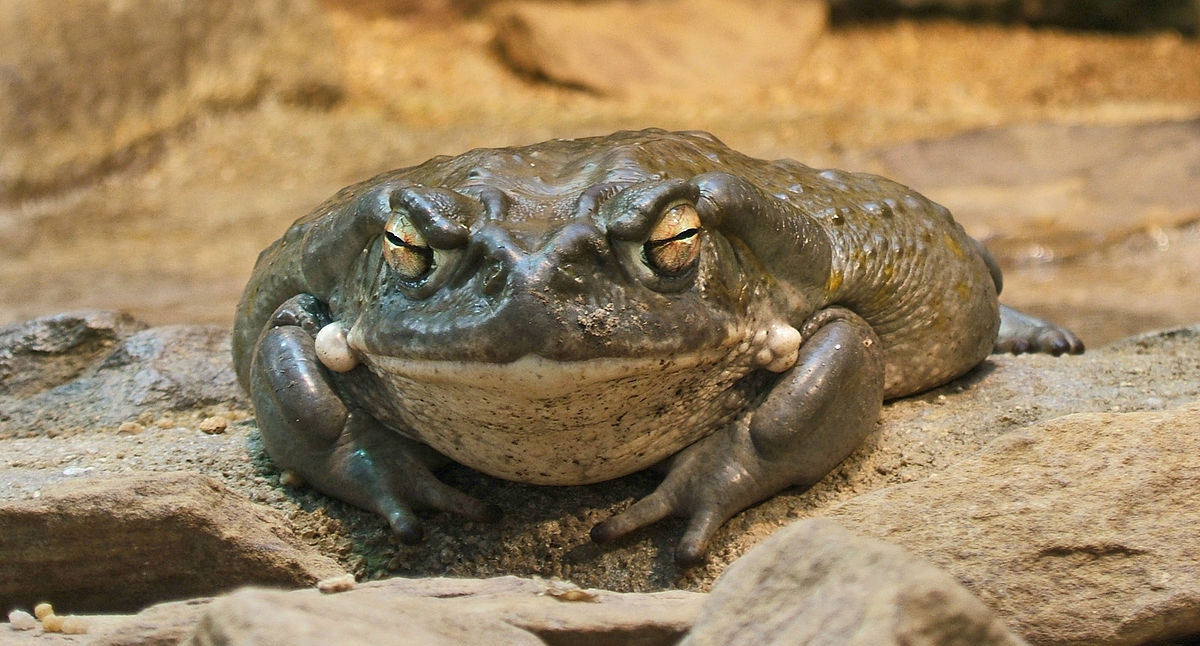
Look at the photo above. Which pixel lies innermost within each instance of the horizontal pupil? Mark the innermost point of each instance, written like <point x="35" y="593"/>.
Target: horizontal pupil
<point x="401" y="242"/>
<point x="683" y="235"/>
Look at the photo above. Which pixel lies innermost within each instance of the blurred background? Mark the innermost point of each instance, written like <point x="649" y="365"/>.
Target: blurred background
<point x="149" y="149"/>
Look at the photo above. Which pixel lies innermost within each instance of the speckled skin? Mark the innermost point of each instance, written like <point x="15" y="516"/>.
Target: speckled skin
<point x="558" y="321"/>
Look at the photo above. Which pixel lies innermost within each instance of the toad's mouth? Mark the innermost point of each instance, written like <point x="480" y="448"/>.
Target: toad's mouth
<point x="535" y="377"/>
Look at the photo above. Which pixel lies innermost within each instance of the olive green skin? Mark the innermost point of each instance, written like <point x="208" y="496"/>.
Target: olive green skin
<point x="545" y="345"/>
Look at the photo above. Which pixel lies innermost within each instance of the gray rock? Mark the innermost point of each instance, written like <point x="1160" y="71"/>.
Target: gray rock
<point x="1079" y="530"/>
<point x="122" y="543"/>
<point x="85" y="83"/>
<point x="504" y="610"/>
<point x="43" y="353"/>
<point x="658" y="47"/>
<point x="816" y="583"/>
<point x="92" y="370"/>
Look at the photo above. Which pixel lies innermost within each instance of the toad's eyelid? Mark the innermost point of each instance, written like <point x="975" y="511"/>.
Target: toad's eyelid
<point x="427" y="209"/>
<point x="635" y="211"/>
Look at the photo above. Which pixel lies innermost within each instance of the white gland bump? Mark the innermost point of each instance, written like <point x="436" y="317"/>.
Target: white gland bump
<point x="333" y="350"/>
<point x="778" y="347"/>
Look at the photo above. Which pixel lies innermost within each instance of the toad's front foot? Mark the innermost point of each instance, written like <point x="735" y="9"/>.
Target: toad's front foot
<point x="813" y="417"/>
<point x="337" y="448"/>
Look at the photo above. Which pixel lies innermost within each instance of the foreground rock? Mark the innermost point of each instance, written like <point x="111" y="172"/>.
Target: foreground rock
<point x="1080" y="530"/>
<point x="504" y="610"/>
<point x="120" y="544"/>
<point x="812" y="583"/>
<point x="86" y="81"/>
<point x="816" y="583"/>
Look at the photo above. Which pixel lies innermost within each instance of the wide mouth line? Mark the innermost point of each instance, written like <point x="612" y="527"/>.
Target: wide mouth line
<point x="533" y="372"/>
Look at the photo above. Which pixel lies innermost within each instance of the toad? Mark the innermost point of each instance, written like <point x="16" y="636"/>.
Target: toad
<point x="577" y="310"/>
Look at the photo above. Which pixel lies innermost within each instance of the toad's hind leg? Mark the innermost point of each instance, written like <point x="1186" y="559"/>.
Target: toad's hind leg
<point x="1020" y="332"/>
<point x="338" y="448"/>
<point x="811" y="419"/>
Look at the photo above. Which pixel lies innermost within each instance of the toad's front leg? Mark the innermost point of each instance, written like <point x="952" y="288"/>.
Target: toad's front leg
<point x="813" y="417"/>
<point x="338" y="448"/>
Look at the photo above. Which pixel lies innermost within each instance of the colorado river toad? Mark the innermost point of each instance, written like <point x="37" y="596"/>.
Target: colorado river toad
<point x="574" y="311"/>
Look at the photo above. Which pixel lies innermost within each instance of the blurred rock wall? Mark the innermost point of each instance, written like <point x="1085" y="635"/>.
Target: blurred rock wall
<point x="85" y="83"/>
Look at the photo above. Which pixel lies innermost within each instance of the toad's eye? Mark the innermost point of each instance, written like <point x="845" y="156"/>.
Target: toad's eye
<point x="405" y="249"/>
<point x="673" y="247"/>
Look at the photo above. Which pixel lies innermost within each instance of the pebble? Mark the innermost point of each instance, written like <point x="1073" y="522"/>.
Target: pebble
<point x="214" y="425"/>
<point x="21" y="620"/>
<point x="291" y="479"/>
<point x="336" y="584"/>
<point x="43" y="610"/>
<point x="53" y="623"/>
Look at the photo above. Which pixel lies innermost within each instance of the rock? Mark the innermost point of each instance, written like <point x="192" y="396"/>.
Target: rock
<point x="85" y="83"/>
<point x="1076" y="530"/>
<point x="1053" y="191"/>
<point x="43" y="353"/>
<point x="545" y="529"/>
<point x="163" y="624"/>
<point x="92" y="370"/>
<point x="122" y="543"/>
<point x="505" y="610"/>
<point x="621" y="47"/>
<point x="816" y="583"/>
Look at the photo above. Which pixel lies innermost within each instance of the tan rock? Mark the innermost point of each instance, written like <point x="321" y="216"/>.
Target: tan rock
<point x="505" y="610"/>
<point x="87" y="81"/>
<point x="621" y="47"/>
<point x="1077" y="530"/>
<point x="1050" y="191"/>
<point x="816" y="583"/>
<point x="121" y="543"/>
<point x="158" y="625"/>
